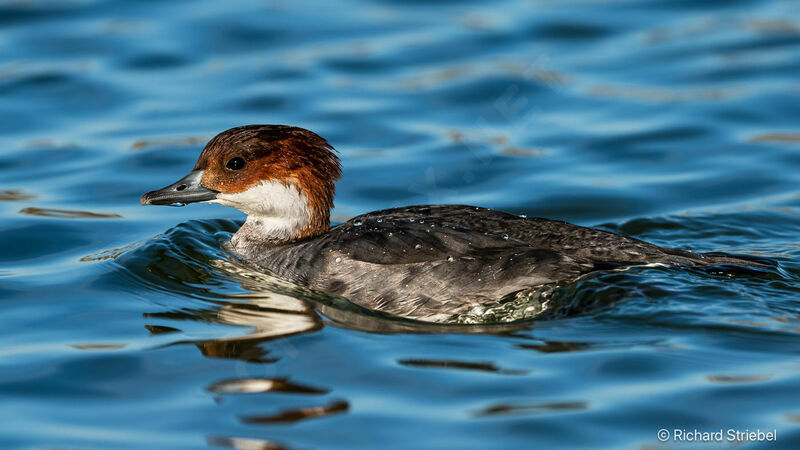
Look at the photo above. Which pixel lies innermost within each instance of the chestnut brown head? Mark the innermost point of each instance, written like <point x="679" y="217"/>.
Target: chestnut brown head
<point x="274" y="173"/>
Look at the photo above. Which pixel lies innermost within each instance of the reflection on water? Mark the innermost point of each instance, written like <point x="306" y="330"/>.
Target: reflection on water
<point x="111" y="253"/>
<point x="260" y="385"/>
<point x="776" y="137"/>
<point x="557" y="347"/>
<point x="160" y="329"/>
<point x="262" y="325"/>
<point x="459" y="365"/>
<point x="65" y="214"/>
<point x="523" y="409"/>
<point x="298" y="414"/>
<point x="737" y="378"/>
<point x="14" y="195"/>
<point x="664" y="96"/>
<point x="170" y="142"/>
<point x="243" y="443"/>
<point x="97" y="346"/>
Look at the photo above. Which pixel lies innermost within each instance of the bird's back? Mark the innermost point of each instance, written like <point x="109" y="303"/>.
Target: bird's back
<point x="433" y="262"/>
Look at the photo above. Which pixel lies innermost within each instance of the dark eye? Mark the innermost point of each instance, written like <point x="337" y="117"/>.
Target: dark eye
<point x="235" y="163"/>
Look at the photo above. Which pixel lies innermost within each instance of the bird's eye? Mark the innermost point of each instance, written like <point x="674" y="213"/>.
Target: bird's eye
<point x="235" y="163"/>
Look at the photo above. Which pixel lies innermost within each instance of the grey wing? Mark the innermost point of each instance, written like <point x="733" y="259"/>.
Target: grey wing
<point x="599" y="249"/>
<point x="418" y="270"/>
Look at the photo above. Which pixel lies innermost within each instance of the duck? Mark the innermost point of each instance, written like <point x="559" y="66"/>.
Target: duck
<point x="429" y="263"/>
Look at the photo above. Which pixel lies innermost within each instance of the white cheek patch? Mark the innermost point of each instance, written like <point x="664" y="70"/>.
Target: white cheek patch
<point x="277" y="210"/>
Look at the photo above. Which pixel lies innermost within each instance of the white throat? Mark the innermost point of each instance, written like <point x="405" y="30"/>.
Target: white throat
<point x="275" y="212"/>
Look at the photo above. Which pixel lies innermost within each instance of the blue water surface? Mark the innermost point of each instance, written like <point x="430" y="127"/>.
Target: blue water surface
<point x="126" y="326"/>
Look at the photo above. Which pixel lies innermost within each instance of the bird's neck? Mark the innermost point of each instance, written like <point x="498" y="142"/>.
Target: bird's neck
<point x="258" y="231"/>
<point x="277" y="213"/>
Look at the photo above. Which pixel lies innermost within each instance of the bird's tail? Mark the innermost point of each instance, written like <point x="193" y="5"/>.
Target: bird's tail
<point x="722" y="263"/>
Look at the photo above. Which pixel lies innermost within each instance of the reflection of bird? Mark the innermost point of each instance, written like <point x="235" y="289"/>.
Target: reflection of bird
<point x="270" y="309"/>
<point x="262" y="325"/>
<point x="423" y="262"/>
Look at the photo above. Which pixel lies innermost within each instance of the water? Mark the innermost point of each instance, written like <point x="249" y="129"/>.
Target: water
<point x="129" y="326"/>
